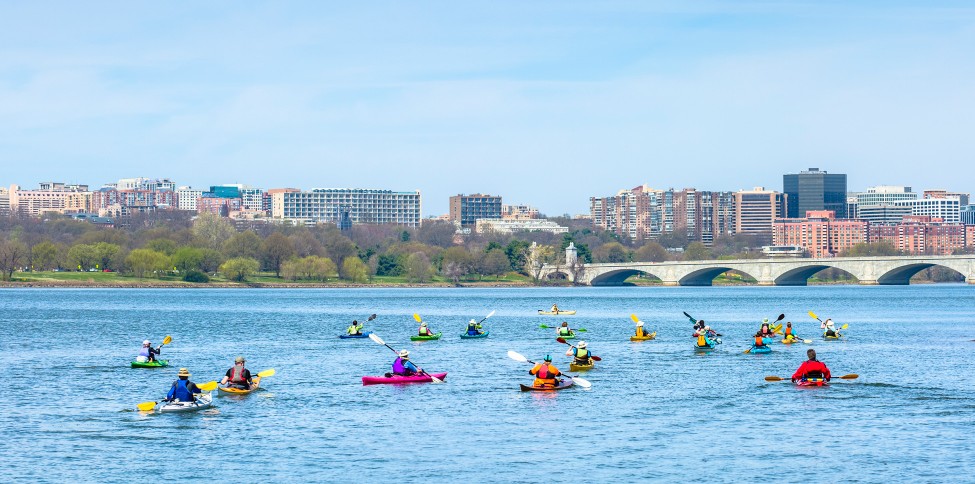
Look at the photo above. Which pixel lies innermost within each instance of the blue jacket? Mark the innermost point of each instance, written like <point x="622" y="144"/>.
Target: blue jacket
<point x="183" y="391"/>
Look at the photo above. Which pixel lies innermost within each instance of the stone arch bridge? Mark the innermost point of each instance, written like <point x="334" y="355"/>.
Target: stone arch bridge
<point x="887" y="270"/>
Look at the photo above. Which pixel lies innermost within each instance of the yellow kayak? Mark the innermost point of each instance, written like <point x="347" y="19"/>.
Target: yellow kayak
<point x="575" y="367"/>
<point x="238" y="391"/>
<point x="647" y="337"/>
<point x="556" y="313"/>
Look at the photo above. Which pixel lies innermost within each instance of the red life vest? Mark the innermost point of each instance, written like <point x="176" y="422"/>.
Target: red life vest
<point x="237" y="374"/>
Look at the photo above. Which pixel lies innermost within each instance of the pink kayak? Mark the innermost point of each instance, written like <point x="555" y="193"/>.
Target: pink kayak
<point x="395" y="379"/>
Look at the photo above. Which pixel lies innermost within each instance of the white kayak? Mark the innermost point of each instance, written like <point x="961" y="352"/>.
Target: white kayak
<point x="203" y="401"/>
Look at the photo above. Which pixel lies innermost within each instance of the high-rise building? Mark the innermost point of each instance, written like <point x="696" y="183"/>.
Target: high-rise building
<point x="883" y="214"/>
<point x="946" y="209"/>
<point x="112" y="202"/>
<point x="251" y="198"/>
<point x="50" y="197"/>
<point x="518" y="212"/>
<point x="923" y="235"/>
<point x="963" y="198"/>
<point x="885" y="195"/>
<point x="148" y="184"/>
<point x="756" y="210"/>
<point x="466" y="209"/>
<point x="967" y="215"/>
<point x="644" y="213"/>
<point x="814" y="190"/>
<point x="4" y="202"/>
<point x="819" y="233"/>
<point x="852" y="207"/>
<point x="187" y="197"/>
<point x="633" y="213"/>
<point x="364" y="206"/>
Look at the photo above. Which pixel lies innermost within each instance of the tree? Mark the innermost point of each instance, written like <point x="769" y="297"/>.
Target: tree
<point x="306" y="244"/>
<point x="537" y="256"/>
<point x="696" y="251"/>
<point x="390" y="265"/>
<point x="276" y="249"/>
<point x="437" y="232"/>
<point x="354" y="269"/>
<point x="12" y="255"/>
<point x="651" y="252"/>
<point x="239" y="268"/>
<point x="871" y="250"/>
<point x="418" y="267"/>
<point x="243" y="244"/>
<point x="516" y="250"/>
<point x="311" y="267"/>
<point x="106" y="254"/>
<point x="211" y="231"/>
<point x="143" y="261"/>
<point x="456" y="262"/>
<point x="673" y="240"/>
<point x="165" y="246"/>
<point x="187" y="259"/>
<point x="212" y="259"/>
<point x="84" y="256"/>
<point x="45" y="256"/>
<point x="611" y="252"/>
<point x="495" y="263"/>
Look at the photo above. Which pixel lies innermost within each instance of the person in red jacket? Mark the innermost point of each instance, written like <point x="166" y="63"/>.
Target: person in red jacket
<point x="811" y="368"/>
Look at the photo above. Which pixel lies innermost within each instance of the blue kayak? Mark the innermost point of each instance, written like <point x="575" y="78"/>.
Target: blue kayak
<point x="704" y="348"/>
<point x="763" y="349"/>
<point x="475" y="336"/>
<point x="355" y="336"/>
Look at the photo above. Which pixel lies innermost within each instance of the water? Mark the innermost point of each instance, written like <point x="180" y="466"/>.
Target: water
<point x="656" y="409"/>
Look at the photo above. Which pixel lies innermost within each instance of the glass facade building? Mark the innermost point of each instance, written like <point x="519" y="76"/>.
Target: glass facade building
<point x="814" y="190"/>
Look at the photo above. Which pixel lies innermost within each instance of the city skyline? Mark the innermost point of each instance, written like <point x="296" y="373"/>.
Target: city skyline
<point x="519" y="99"/>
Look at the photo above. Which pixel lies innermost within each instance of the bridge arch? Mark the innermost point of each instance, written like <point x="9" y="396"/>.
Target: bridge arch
<point x="705" y="276"/>
<point x="616" y="277"/>
<point x="901" y="275"/>
<point x="799" y="276"/>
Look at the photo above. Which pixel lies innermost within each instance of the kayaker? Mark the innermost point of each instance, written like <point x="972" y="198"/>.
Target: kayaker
<point x="183" y="389"/>
<point x="830" y="328"/>
<point x="555" y="309"/>
<point x="147" y="352"/>
<point x="545" y="373"/>
<point x="789" y="335"/>
<point x="705" y="337"/>
<point x="473" y="328"/>
<point x="812" y="368"/>
<point x="581" y="354"/>
<point x="760" y="340"/>
<point x="403" y="366"/>
<point x="424" y="330"/>
<point x="355" y="329"/>
<point x="639" y="330"/>
<point x="238" y="376"/>
<point x="766" y="331"/>
<point x="699" y="325"/>
<point x="564" y="329"/>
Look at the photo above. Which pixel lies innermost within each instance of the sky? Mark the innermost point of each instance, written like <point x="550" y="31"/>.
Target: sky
<point x="546" y="102"/>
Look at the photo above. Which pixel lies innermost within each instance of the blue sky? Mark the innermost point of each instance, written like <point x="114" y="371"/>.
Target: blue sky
<point x="546" y="103"/>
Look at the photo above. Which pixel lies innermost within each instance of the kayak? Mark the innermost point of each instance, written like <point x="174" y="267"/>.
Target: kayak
<point x="838" y="336"/>
<point x="760" y="350"/>
<point x="704" y="348"/>
<point x="812" y="382"/>
<point x="555" y="313"/>
<point x="571" y="336"/>
<point x="575" y="367"/>
<point x="789" y="341"/>
<point x="150" y="364"/>
<point x="646" y="337"/>
<point x="355" y="336"/>
<point x="396" y="379"/>
<point x="417" y="337"/>
<point x="238" y="391"/>
<point x="563" y="384"/>
<point x="203" y="401"/>
<point x="475" y="336"/>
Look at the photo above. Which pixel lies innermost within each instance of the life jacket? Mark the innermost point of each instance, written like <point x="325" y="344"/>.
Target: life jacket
<point x="759" y="341"/>
<point x="639" y="331"/>
<point x="564" y="331"/>
<point x="701" y="340"/>
<point x="788" y="331"/>
<point x="353" y="329"/>
<point x="581" y="354"/>
<point x="400" y="367"/>
<point x="144" y="351"/>
<point x="237" y="375"/>
<point x="424" y="331"/>
<point x="182" y="393"/>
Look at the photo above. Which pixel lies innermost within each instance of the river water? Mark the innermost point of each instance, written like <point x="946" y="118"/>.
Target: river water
<point x="656" y="409"/>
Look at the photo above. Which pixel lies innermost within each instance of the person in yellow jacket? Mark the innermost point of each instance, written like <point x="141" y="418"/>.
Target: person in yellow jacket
<point x="640" y="333"/>
<point x="355" y="329"/>
<point x="546" y="374"/>
<point x="580" y="353"/>
<point x="424" y="330"/>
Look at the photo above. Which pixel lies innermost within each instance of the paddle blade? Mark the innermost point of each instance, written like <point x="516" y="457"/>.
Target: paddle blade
<point x="561" y="340"/>
<point x="781" y="317"/>
<point x="845" y="326"/>
<point x="208" y="386"/>
<point x="375" y="337"/>
<point x="146" y="406"/>
<point x="582" y="330"/>
<point x="417" y="318"/>
<point x="489" y="315"/>
<point x="813" y="315"/>
<point x="434" y="379"/>
<point x="517" y="356"/>
<point x="807" y="341"/>
<point x="581" y="382"/>
<point x="267" y="373"/>
<point x="543" y="326"/>
<point x="634" y="318"/>
<point x="749" y="350"/>
<point x="168" y="339"/>
<point x="596" y="358"/>
<point x="371" y="317"/>
<point x="851" y="376"/>
<point x="774" y="378"/>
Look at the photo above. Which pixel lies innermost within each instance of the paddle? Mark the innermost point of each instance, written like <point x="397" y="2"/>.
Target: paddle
<point x="206" y="387"/>
<point x="417" y="318"/>
<point x="168" y="339"/>
<point x="851" y="376"/>
<point x="578" y="381"/>
<point x="545" y="326"/>
<point x="694" y="321"/>
<point x="594" y="357"/>
<point x="379" y="340"/>
<point x="485" y="317"/>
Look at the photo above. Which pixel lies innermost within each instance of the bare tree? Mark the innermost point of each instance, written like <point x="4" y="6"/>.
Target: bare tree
<point x="12" y="255"/>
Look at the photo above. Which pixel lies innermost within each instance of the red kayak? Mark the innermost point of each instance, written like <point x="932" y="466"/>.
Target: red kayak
<point x="812" y="382"/>
<point x="561" y="386"/>
<point x="396" y="379"/>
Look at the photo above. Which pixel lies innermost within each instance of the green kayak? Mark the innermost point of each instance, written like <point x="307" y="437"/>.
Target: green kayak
<point x="150" y="364"/>
<point x="417" y="337"/>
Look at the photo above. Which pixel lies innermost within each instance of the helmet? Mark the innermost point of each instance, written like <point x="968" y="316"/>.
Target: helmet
<point x="473" y="322"/>
<point x="764" y="320"/>
<point x="423" y="324"/>
<point x="183" y="372"/>
<point x="582" y="344"/>
<point x="146" y="343"/>
<point x="639" y="323"/>
<point x="404" y="354"/>
<point x="548" y="357"/>
<point x="239" y="359"/>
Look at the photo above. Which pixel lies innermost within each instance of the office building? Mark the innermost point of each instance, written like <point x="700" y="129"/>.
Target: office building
<point x="362" y="206"/>
<point x="852" y="207"/>
<point x="186" y="198"/>
<point x="146" y="184"/>
<point x="967" y="215"/>
<point x="814" y="190"/>
<point x="251" y="199"/>
<point x="756" y="210"/>
<point x="510" y="226"/>
<point x="884" y="214"/>
<point x="466" y="209"/>
<point x="819" y="233"/>
<point x="963" y="198"/>
<point x="885" y="195"/>
<point x="947" y="209"/>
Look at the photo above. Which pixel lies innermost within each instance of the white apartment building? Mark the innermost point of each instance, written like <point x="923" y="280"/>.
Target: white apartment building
<point x="502" y="226"/>
<point x="186" y="198"/>
<point x="4" y="202"/>
<point x="151" y="184"/>
<point x="885" y="195"/>
<point x="947" y="209"/>
<point x="348" y="205"/>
